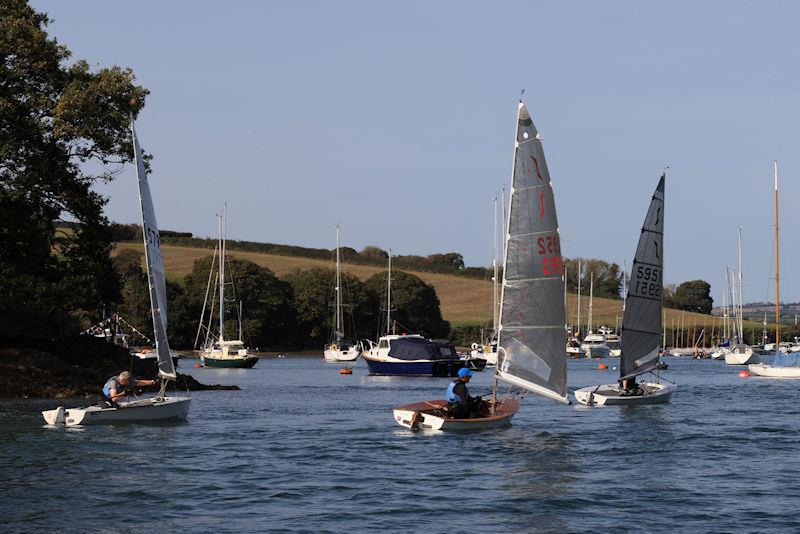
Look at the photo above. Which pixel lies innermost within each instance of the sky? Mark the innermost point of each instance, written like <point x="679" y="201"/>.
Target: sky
<point x="396" y="120"/>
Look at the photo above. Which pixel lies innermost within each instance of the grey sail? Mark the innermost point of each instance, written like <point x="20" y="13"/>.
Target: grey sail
<point x="155" y="266"/>
<point x="532" y="315"/>
<point x="641" y="322"/>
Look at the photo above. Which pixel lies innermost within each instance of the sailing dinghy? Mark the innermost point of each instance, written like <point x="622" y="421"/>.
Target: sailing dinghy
<point x="161" y="407"/>
<point x="641" y="322"/>
<point x="532" y="320"/>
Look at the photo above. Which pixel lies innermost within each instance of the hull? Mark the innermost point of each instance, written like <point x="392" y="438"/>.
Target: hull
<point x="597" y="351"/>
<point x="736" y="358"/>
<point x="768" y="371"/>
<point x="141" y="411"/>
<point x="332" y="356"/>
<point x="444" y="368"/>
<point x="610" y="395"/>
<point x="427" y="415"/>
<point x="245" y="362"/>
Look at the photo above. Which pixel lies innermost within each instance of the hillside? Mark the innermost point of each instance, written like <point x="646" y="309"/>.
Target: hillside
<point x="463" y="300"/>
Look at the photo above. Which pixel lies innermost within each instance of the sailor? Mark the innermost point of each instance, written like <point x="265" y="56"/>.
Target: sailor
<point x="120" y="386"/>
<point x="459" y="403"/>
<point x="631" y="388"/>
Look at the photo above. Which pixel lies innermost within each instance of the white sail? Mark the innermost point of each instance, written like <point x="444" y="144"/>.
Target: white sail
<point x="155" y="266"/>
<point x="532" y="312"/>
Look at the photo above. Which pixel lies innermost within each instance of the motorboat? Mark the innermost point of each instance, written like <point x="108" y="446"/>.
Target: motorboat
<point x="594" y="346"/>
<point x="412" y="355"/>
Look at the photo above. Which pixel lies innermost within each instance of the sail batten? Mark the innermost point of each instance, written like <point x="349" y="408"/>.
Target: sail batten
<point x="532" y="313"/>
<point x="642" y="319"/>
<point x="155" y="265"/>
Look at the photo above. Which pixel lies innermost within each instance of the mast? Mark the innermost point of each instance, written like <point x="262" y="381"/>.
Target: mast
<point x="389" y="296"/>
<point x="624" y="284"/>
<point x="777" y="267"/>
<point x="725" y="304"/>
<point x="222" y="274"/>
<point x="339" y="333"/>
<point x="494" y="270"/>
<point x="241" y="337"/>
<point x="580" y="273"/>
<point x="591" y="297"/>
<point x="741" y="288"/>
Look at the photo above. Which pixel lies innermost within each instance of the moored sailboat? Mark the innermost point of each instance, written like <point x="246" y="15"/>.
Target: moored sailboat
<point x="531" y="352"/>
<point x="641" y="322"/>
<point x="784" y="365"/>
<point x="340" y="349"/>
<point x="161" y="407"/>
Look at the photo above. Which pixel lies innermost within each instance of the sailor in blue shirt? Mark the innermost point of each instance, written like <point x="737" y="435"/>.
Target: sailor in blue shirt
<point x="459" y="403"/>
<point x="118" y="387"/>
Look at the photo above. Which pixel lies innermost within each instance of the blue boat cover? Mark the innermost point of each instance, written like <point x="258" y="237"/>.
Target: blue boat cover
<point x="786" y="360"/>
<point x="415" y="348"/>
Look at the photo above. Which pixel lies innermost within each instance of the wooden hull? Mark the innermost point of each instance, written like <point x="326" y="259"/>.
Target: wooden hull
<point x="141" y="411"/>
<point x="427" y="415"/>
<point x="610" y="395"/>
<point x="230" y="363"/>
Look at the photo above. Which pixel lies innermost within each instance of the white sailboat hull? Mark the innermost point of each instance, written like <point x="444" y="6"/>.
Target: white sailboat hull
<point x="490" y="357"/>
<point x="769" y="371"/>
<point x="739" y="358"/>
<point x="338" y="355"/>
<point x="611" y="395"/>
<point x="145" y="410"/>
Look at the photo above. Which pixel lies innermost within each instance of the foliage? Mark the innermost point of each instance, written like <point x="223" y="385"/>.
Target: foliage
<point x="694" y="295"/>
<point x="63" y="128"/>
<point x="607" y="277"/>
<point x="314" y="303"/>
<point x="415" y="305"/>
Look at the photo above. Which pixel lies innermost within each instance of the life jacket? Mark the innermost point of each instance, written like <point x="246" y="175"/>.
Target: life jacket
<point x="451" y="395"/>
<point x="113" y="381"/>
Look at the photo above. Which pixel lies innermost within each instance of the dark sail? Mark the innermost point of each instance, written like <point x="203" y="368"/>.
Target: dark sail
<point x="641" y="323"/>
<point x="532" y="335"/>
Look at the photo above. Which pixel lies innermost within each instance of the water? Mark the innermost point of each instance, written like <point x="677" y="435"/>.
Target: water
<point x="302" y="448"/>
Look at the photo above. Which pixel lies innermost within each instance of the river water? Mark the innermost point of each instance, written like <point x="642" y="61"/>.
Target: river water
<point x="303" y="448"/>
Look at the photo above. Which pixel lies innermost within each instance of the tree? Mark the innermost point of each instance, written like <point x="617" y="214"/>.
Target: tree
<point x="415" y="305"/>
<point x="371" y="251"/>
<point x="268" y="316"/>
<point x="314" y="302"/>
<point x="693" y="296"/>
<point x="607" y="277"/>
<point x="62" y="129"/>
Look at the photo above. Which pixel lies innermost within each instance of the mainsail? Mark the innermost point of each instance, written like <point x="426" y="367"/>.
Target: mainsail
<point x="532" y="337"/>
<point x="641" y="322"/>
<point x="155" y="266"/>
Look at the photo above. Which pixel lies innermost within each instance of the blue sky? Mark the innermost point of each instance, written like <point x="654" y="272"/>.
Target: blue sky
<point x="397" y="120"/>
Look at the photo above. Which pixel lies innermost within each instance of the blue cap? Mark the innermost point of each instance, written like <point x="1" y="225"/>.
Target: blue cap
<point x="464" y="372"/>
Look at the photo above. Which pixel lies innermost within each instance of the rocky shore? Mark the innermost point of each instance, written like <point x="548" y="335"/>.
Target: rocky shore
<point x="76" y="366"/>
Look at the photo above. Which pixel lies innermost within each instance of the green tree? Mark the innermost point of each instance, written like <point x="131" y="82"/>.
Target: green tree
<point x="63" y="128"/>
<point x="269" y="318"/>
<point x="314" y="302"/>
<point x="607" y="277"/>
<point x="693" y="296"/>
<point x="415" y="305"/>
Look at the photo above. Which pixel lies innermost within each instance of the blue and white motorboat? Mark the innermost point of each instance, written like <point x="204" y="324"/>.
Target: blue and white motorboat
<point x="412" y="355"/>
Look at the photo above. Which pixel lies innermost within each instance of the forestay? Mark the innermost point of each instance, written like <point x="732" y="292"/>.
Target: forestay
<point x="641" y="322"/>
<point x="532" y="316"/>
<point x="155" y="266"/>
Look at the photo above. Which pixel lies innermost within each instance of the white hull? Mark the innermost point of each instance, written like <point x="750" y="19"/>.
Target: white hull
<point x="737" y="358"/>
<point x="145" y="410"/>
<point x="597" y="351"/>
<point x="575" y="352"/>
<point x="338" y="355"/>
<point x="490" y="357"/>
<point x="419" y="416"/>
<point x="768" y="371"/>
<point x="610" y="395"/>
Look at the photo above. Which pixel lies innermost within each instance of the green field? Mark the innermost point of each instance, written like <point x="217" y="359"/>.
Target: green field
<point x="464" y="300"/>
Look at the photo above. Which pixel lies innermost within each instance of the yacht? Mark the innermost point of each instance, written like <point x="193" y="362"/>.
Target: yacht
<point x="595" y="346"/>
<point x="412" y="355"/>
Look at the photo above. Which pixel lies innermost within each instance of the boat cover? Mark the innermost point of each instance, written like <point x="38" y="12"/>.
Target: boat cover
<point x="415" y="348"/>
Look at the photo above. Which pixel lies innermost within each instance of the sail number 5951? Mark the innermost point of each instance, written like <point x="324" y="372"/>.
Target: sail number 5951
<point x="648" y="281"/>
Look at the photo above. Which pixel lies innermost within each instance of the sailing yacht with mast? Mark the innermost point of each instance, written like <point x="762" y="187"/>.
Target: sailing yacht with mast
<point x="229" y="353"/>
<point x="161" y="407"/>
<point x="783" y="365"/>
<point x="340" y="349"/>
<point x="488" y="351"/>
<point x="532" y="312"/>
<point x="641" y="322"/>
